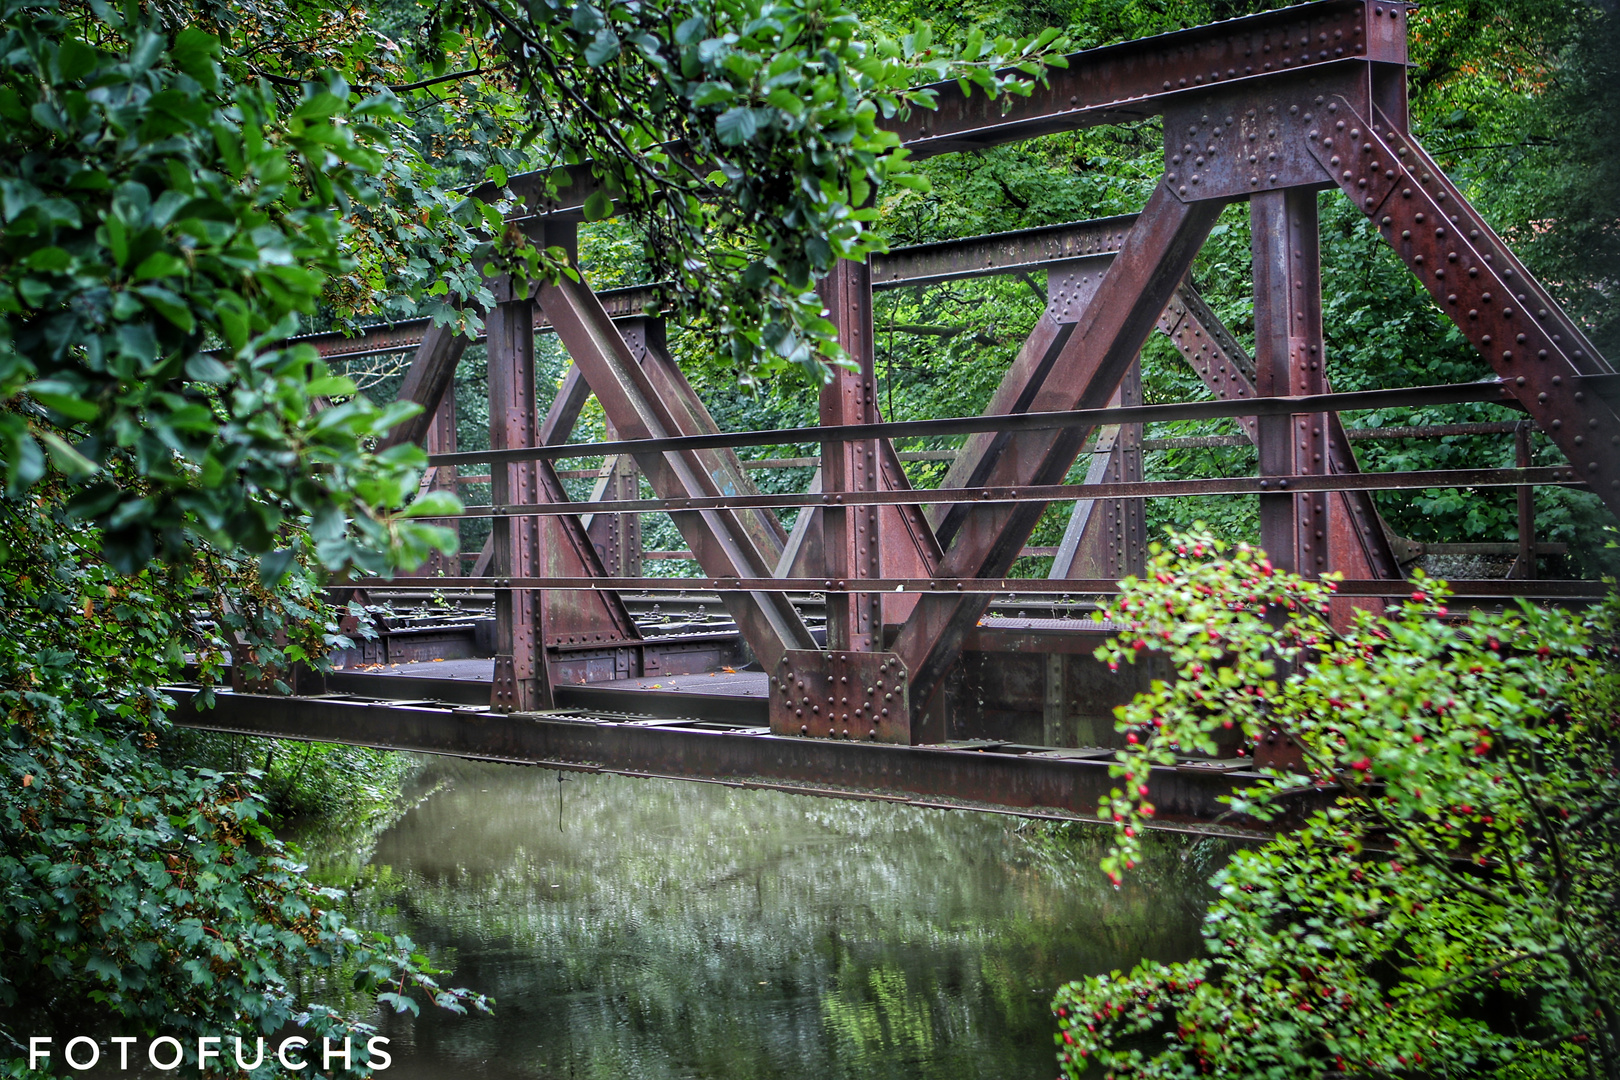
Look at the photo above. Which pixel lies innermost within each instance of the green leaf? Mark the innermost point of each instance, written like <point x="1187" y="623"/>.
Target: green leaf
<point x="194" y="51"/>
<point x="736" y="126"/>
<point x="62" y="398"/>
<point x="117" y="240"/>
<point x="25" y="464"/>
<point x="49" y="259"/>
<point x="598" y="207"/>
<point x="433" y="504"/>
<point x="169" y="305"/>
<point x="207" y="369"/>
<point x="75" y="60"/>
<point x="691" y="30"/>
<point x="713" y="93"/>
<point x="604" y="47"/>
<point x="67" y="458"/>
<point x="159" y="264"/>
<point x="331" y="386"/>
<point x="274" y="565"/>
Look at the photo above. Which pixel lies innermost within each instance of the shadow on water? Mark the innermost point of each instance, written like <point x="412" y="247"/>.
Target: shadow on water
<point x="689" y="930"/>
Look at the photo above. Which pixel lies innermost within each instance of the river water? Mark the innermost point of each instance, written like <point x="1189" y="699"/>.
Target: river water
<point x="652" y="930"/>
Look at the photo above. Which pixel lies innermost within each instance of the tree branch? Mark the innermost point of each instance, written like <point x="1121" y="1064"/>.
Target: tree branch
<point x="447" y="77"/>
<point x="285" y="80"/>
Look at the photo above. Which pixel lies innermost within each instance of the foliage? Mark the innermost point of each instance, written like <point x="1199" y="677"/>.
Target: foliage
<point x="163" y="225"/>
<point x="135" y="892"/>
<point x="742" y="135"/>
<point x="151" y="210"/>
<point x="1446" y="907"/>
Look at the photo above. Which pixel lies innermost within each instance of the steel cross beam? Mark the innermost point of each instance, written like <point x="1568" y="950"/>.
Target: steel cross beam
<point x="646" y="338"/>
<point x="632" y="402"/>
<point x="432" y="372"/>
<point x="1085" y="372"/>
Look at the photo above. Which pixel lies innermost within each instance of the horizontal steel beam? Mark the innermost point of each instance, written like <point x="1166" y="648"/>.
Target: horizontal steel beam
<point x="1486" y="587"/>
<point x="1021" y="251"/>
<point x="1034" y="783"/>
<point x="379" y="340"/>
<point x="1134" y="80"/>
<point x="1412" y="397"/>
<point x="920" y="264"/>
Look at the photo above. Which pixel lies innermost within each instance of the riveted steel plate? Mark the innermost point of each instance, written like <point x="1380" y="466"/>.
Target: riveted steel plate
<point x="841" y="695"/>
<point x="1237" y="141"/>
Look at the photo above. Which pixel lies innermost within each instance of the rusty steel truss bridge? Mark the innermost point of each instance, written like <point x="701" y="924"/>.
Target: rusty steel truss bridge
<point x="877" y="648"/>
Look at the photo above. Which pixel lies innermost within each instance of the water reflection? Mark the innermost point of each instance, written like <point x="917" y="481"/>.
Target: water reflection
<point x="689" y="930"/>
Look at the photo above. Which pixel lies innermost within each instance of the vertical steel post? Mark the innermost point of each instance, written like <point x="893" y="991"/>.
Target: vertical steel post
<point x="1525" y="567"/>
<point x="625" y="483"/>
<point x="1125" y="520"/>
<point x="1107" y="538"/>
<point x="1294" y="529"/>
<point x="850" y="534"/>
<point x="521" y="682"/>
<point x="617" y="537"/>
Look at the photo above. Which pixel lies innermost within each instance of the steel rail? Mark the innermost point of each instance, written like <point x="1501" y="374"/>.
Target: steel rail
<point x="1141" y="489"/>
<point x="1493" y="391"/>
<point x="1187" y="442"/>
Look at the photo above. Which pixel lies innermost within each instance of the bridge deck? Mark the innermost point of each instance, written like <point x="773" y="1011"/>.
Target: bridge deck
<point x="1026" y="780"/>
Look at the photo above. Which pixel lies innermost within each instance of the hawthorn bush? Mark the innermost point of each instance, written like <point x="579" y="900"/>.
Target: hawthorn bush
<point x="1448" y="909"/>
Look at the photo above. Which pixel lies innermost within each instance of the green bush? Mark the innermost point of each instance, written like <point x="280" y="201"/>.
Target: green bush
<point x="1443" y="900"/>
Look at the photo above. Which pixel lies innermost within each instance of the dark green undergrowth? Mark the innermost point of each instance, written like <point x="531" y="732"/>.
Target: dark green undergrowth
<point x="329" y="801"/>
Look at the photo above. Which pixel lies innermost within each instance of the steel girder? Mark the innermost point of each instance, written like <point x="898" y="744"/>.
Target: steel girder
<point x="1129" y="81"/>
<point x="1531" y="343"/>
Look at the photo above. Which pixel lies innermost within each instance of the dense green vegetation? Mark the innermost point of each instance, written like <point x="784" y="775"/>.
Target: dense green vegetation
<point x="1446" y="907"/>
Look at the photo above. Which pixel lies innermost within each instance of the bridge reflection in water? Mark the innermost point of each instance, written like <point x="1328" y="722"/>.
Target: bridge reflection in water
<point x="690" y="930"/>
